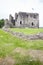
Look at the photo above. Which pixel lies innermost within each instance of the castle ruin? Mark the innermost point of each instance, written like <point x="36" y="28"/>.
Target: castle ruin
<point x="23" y="19"/>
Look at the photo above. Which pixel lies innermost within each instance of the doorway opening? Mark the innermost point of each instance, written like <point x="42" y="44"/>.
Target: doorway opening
<point x="32" y="23"/>
<point x="20" y="22"/>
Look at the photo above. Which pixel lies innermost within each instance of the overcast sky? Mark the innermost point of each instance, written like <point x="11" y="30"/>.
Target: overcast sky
<point x="11" y="6"/>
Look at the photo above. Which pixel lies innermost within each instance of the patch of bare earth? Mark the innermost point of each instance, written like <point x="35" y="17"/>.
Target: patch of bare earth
<point x="20" y="50"/>
<point x="7" y="61"/>
<point x="35" y="54"/>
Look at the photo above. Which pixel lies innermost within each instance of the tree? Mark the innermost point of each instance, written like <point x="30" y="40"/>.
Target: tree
<point x="1" y="23"/>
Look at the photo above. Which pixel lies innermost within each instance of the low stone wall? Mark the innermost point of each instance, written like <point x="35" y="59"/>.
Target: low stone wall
<point x="26" y="37"/>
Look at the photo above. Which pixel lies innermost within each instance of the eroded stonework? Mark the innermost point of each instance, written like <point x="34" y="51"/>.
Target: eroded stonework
<point x="23" y="19"/>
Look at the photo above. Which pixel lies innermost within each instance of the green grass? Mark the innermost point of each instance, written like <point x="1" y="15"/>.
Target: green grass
<point x="29" y="63"/>
<point x="25" y="60"/>
<point x="8" y="43"/>
<point x="28" y="30"/>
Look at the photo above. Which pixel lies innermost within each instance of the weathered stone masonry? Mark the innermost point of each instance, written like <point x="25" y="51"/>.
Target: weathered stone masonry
<point x="23" y="19"/>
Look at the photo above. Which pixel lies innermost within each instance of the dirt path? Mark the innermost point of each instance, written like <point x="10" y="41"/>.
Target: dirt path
<point x="7" y="61"/>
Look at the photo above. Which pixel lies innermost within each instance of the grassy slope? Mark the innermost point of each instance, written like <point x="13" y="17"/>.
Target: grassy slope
<point x="9" y="42"/>
<point x="28" y="30"/>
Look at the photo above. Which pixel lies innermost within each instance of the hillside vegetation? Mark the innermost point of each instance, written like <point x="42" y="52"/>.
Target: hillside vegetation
<point x="1" y="23"/>
<point x="8" y="43"/>
<point x="28" y="30"/>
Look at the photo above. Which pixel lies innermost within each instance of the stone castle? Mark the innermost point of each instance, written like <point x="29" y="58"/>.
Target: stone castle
<point x="23" y="19"/>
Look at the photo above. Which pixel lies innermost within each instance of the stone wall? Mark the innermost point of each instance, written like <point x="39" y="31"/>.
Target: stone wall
<point x="9" y="23"/>
<point x="23" y="19"/>
<point x="38" y="36"/>
<point x="27" y="20"/>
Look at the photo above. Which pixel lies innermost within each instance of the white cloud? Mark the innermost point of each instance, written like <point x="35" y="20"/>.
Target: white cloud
<point x="41" y="1"/>
<point x="11" y="6"/>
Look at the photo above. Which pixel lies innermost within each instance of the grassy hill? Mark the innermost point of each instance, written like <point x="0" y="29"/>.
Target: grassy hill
<point x="28" y="30"/>
<point x="9" y="42"/>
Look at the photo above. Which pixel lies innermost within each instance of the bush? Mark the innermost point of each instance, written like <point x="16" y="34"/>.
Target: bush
<point x="1" y="23"/>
